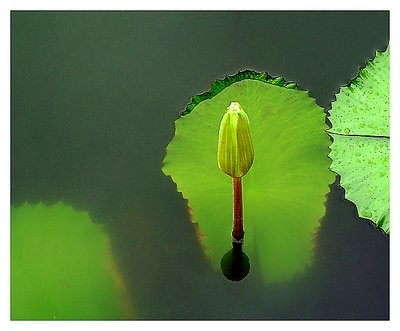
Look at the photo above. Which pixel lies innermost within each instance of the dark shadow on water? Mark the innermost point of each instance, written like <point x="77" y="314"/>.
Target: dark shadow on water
<point x="235" y="264"/>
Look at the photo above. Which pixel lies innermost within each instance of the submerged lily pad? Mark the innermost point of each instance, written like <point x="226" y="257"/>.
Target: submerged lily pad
<point x="61" y="267"/>
<point x="360" y="119"/>
<point x="284" y="191"/>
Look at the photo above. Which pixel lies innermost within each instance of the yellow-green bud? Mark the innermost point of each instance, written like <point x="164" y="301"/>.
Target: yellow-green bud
<point x="235" y="146"/>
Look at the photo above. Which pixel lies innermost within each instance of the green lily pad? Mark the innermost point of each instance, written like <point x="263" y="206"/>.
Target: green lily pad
<point x="61" y="267"/>
<point x="285" y="190"/>
<point x="360" y="120"/>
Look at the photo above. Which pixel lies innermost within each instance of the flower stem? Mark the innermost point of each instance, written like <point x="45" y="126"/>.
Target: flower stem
<point x="237" y="232"/>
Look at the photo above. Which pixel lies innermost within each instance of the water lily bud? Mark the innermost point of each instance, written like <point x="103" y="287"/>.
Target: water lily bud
<point x="235" y="146"/>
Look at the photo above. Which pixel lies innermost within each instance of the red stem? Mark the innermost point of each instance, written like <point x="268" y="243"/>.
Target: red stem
<point x="237" y="232"/>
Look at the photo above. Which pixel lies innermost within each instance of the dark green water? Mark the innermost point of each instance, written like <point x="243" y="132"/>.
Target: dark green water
<point x="94" y="99"/>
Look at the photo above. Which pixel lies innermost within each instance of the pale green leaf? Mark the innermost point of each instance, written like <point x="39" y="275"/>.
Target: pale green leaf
<point x="360" y="131"/>
<point x="284" y="191"/>
<point x="61" y="266"/>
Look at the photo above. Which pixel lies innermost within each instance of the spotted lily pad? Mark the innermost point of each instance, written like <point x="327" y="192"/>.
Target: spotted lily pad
<point x="284" y="191"/>
<point x="360" y="120"/>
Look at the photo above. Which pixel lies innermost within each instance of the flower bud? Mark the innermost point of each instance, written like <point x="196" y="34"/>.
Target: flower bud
<point x="235" y="146"/>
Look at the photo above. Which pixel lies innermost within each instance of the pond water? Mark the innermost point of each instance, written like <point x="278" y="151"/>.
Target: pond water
<point x="94" y="100"/>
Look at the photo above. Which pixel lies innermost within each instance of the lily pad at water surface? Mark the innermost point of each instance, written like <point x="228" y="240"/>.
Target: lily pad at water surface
<point x="62" y="268"/>
<point x="360" y="119"/>
<point x="285" y="190"/>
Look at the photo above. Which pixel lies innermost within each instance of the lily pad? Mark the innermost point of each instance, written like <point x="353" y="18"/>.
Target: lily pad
<point x="61" y="267"/>
<point x="284" y="191"/>
<point x="360" y="119"/>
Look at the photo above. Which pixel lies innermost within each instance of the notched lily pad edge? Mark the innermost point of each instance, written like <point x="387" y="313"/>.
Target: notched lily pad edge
<point x="354" y="83"/>
<point x="216" y="87"/>
<point x="220" y="84"/>
<point x="375" y="225"/>
<point x="370" y="222"/>
<point x="361" y="73"/>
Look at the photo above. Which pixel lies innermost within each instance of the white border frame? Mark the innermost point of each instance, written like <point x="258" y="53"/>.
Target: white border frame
<point x="7" y="6"/>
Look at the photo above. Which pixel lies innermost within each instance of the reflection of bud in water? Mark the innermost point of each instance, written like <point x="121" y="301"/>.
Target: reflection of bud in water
<point x="235" y="264"/>
<point x="235" y="146"/>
